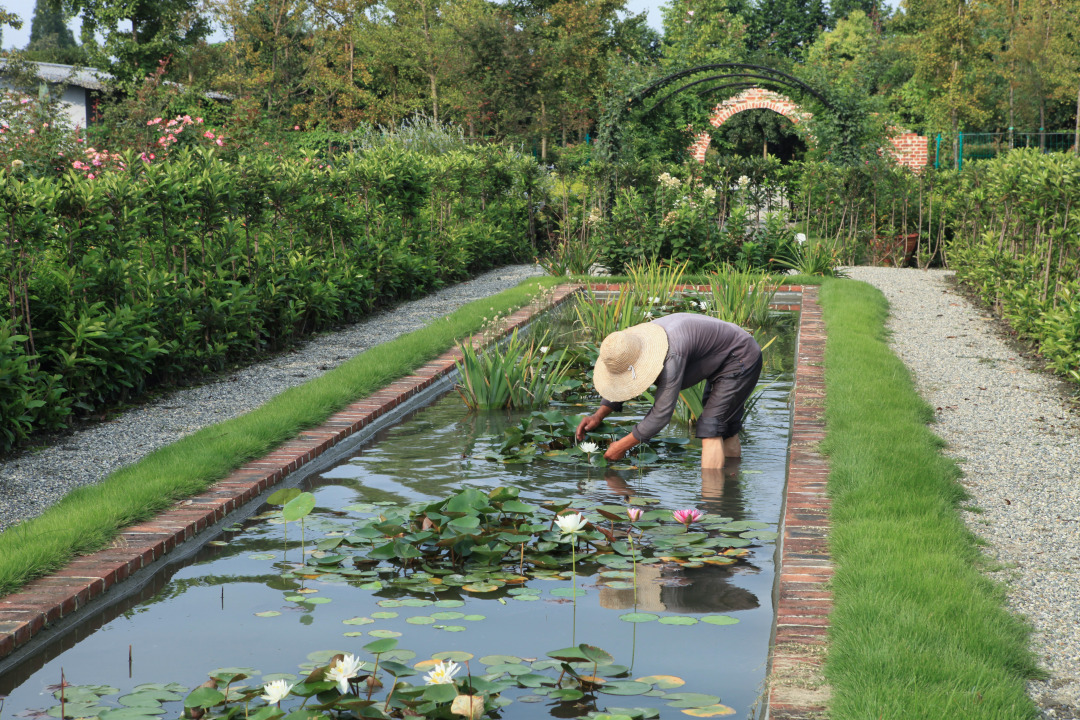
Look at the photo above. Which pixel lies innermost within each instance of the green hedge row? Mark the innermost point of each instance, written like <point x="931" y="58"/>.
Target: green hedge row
<point x="1020" y="248"/>
<point x="148" y="273"/>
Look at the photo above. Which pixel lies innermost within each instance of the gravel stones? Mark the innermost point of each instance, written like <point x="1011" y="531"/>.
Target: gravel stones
<point x="1008" y="424"/>
<point x="33" y="481"/>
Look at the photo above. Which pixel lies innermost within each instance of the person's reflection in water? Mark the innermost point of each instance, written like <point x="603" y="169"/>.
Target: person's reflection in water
<point x="721" y="491"/>
<point x="617" y="485"/>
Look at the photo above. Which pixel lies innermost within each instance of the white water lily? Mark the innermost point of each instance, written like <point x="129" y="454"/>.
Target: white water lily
<point x="588" y="447"/>
<point x="648" y="314"/>
<point x="276" y="691"/>
<point x="654" y="301"/>
<point x="543" y="350"/>
<point x="571" y="523"/>
<point x="442" y="674"/>
<point x="344" y="670"/>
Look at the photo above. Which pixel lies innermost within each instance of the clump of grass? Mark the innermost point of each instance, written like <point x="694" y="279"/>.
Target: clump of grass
<point x="741" y="297"/>
<point x="917" y="630"/>
<point x="88" y="518"/>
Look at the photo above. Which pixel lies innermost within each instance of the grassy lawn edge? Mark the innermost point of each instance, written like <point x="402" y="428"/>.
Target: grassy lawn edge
<point x="88" y="518"/>
<point x="918" y="629"/>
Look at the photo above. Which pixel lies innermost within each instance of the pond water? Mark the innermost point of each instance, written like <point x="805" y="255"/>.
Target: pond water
<point x="240" y="602"/>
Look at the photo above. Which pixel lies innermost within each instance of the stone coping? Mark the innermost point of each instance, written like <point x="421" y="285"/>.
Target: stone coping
<point x="794" y="687"/>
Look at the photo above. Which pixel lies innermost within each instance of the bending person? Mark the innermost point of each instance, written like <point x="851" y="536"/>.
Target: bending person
<point x="677" y="352"/>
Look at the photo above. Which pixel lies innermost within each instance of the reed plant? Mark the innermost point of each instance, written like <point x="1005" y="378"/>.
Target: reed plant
<point x="741" y="297"/>
<point x="649" y="285"/>
<point x="517" y="374"/>
<point x="822" y="258"/>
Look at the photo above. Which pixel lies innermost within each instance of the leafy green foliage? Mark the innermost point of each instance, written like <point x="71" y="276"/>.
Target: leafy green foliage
<point x="513" y="374"/>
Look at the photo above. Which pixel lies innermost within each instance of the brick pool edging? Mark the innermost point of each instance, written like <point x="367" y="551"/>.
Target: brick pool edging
<point x="795" y="690"/>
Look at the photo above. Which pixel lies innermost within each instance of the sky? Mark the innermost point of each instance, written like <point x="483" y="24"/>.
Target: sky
<point x="25" y="10"/>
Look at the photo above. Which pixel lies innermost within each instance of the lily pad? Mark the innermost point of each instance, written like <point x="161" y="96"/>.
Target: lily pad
<point x="358" y="621"/>
<point x="453" y="628"/>
<point x="384" y="633"/>
<point x="717" y="710"/>
<point x="136" y="713"/>
<point x="526" y="598"/>
<point x="262" y="556"/>
<point x="390" y="603"/>
<point x="453" y="655"/>
<point x="619" y="585"/>
<point x="678" y="620"/>
<point x="449" y="603"/>
<point x="719" y="620"/>
<point x="474" y="618"/>
<point x="691" y="700"/>
<point x="267" y="613"/>
<point x="481" y="587"/>
<point x="384" y="615"/>
<point x="420" y="620"/>
<point x="638" y="617"/>
<point x="663" y="682"/>
<point x="500" y="659"/>
<point x="625" y="687"/>
<point x="353" y="633"/>
<point x="417" y="602"/>
<point x="448" y="615"/>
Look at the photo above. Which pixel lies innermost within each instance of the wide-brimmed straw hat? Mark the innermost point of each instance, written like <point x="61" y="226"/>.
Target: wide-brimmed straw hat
<point x="630" y="361"/>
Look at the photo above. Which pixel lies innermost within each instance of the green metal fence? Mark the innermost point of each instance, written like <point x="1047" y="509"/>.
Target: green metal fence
<point x="977" y="146"/>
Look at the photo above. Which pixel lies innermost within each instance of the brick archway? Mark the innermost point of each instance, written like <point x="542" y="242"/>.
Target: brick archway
<point x="909" y="149"/>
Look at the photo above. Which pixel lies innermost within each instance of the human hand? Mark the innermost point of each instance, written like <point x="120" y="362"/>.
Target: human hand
<point x="618" y="449"/>
<point x="587" y="424"/>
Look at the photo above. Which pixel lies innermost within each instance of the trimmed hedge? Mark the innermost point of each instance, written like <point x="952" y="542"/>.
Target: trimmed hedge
<point x="152" y="272"/>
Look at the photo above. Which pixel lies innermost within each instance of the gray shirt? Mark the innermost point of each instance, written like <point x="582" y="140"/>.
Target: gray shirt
<point x="699" y="348"/>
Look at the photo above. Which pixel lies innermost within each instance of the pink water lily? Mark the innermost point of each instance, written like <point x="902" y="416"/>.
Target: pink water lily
<point x="633" y="513"/>
<point x="687" y="516"/>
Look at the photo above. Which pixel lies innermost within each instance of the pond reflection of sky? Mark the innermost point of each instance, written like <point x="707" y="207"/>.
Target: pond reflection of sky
<point x="203" y="615"/>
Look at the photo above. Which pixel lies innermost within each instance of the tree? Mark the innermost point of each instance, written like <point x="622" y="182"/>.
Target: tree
<point x="51" y="40"/>
<point x="698" y="32"/>
<point x="137" y="34"/>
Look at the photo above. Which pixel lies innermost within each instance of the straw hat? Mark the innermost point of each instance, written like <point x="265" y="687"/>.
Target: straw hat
<point x="630" y="361"/>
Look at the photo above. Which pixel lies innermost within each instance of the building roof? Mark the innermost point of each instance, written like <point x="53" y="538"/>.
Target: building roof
<point x="85" y="77"/>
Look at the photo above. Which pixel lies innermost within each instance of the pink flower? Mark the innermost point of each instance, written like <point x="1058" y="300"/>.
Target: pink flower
<point x="633" y="513"/>
<point x="687" y="516"/>
<point x="90" y="176"/>
<point x="24" y="101"/>
<point x="295" y="127"/>
<point x="220" y="142"/>
<point x="208" y="134"/>
<point x="198" y="120"/>
<point x="151" y="156"/>
<point x="266" y="144"/>
<point x="170" y="123"/>
<point x="31" y="131"/>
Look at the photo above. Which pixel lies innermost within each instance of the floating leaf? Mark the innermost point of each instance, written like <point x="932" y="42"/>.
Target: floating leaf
<point x="500" y="659"/>
<point x="448" y="615"/>
<point x="139" y="713"/>
<point x="384" y="615"/>
<point x="299" y="507"/>
<point x="619" y="585"/>
<point x="354" y="633"/>
<point x="568" y="592"/>
<point x="625" y="687"/>
<point x="678" y="620"/>
<point x="318" y="600"/>
<point x="262" y="556"/>
<point x="691" y="700"/>
<point x="453" y="628"/>
<point x="639" y="617"/>
<point x="420" y="620"/>
<point x="719" y="620"/>
<point x="664" y="682"/>
<point x="204" y="697"/>
<point x="358" y="621"/>
<point x="390" y="603"/>
<point x="710" y="711"/>
<point x="481" y="587"/>
<point x="474" y="618"/>
<point x="384" y="633"/>
<point x="267" y="613"/>
<point x="526" y="597"/>
<point x="379" y="647"/>
<point x="567" y="694"/>
<point x="453" y="655"/>
<point x="417" y="602"/>
<point x="449" y="603"/>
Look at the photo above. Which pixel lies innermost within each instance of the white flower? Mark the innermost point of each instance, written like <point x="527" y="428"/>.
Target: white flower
<point x="276" y="691"/>
<point x="654" y="301"/>
<point x="344" y="670"/>
<point x="709" y="193"/>
<point x="800" y="238"/>
<point x="571" y="523"/>
<point x="743" y="181"/>
<point x="588" y="447"/>
<point x="442" y="674"/>
<point x="703" y="305"/>
<point x="17" y="164"/>
<point x="648" y="314"/>
<point x="543" y="350"/>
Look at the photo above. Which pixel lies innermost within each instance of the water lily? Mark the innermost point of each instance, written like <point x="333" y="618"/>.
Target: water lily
<point x="588" y="447"/>
<point x="344" y="670"/>
<point x="276" y="691"/>
<point x="543" y="350"/>
<point x="442" y="674"/>
<point x="633" y="513"/>
<point x="687" y="516"/>
<point x="571" y="523"/>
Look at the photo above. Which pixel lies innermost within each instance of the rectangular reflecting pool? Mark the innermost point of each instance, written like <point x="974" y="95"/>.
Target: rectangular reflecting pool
<point x="686" y="628"/>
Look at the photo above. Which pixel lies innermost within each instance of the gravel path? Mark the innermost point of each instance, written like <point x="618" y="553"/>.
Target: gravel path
<point x="34" y="481"/>
<point x="1018" y="443"/>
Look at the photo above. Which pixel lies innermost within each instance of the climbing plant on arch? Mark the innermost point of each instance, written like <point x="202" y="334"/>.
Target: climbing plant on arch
<point x="841" y="120"/>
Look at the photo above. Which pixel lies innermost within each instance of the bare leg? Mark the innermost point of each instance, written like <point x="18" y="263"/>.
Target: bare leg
<point x="732" y="447"/>
<point x="712" y="453"/>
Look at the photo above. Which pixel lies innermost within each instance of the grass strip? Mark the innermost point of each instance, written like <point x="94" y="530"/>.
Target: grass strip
<point x="918" y="631"/>
<point x="88" y="518"/>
